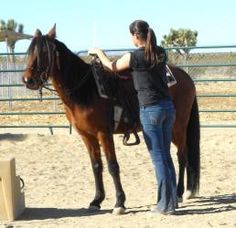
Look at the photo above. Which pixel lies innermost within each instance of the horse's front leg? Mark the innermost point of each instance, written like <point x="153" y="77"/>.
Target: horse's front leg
<point x="93" y="147"/>
<point x="114" y="169"/>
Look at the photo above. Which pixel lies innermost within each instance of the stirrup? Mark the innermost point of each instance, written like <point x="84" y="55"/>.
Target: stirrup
<point x="127" y="136"/>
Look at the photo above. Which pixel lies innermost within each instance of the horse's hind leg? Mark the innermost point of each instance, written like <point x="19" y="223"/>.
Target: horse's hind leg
<point x="95" y="155"/>
<point x="179" y="139"/>
<point x="114" y="169"/>
<point x="182" y="165"/>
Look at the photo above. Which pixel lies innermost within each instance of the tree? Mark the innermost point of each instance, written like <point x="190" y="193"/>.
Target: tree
<point x="11" y="25"/>
<point x="181" y="38"/>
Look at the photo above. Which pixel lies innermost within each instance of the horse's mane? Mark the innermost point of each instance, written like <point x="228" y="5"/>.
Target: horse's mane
<point x="77" y="79"/>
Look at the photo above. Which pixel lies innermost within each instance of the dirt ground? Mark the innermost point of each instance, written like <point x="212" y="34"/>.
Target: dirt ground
<point x="59" y="183"/>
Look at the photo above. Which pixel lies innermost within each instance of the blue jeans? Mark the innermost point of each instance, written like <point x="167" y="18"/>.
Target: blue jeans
<point x="157" y="122"/>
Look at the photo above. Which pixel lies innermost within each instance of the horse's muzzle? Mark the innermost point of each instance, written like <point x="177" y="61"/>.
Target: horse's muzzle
<point x="31" y="83"/>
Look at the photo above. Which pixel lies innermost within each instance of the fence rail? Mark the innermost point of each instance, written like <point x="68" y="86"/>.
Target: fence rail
<point x="10" y="80"/>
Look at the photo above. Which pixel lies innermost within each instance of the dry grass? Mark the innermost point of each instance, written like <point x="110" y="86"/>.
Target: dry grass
<point x="205" y="103"/>
<point x="217" y="103"/>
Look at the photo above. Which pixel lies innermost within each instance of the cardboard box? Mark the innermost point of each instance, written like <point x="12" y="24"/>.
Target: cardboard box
<point x="12" y="198"/>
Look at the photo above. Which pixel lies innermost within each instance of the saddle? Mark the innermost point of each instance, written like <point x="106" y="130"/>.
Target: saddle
<point x="119" y="90"/>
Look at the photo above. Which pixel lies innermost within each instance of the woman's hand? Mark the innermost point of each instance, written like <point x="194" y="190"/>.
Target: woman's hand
<point x="94" y="51"/>
<point x="121" y="64"/>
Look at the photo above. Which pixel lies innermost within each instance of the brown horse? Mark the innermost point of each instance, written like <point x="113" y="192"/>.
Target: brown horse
<point x="90" y="114"/>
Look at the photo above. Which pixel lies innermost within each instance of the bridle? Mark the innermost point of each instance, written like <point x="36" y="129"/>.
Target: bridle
<point x="44" y="71"/>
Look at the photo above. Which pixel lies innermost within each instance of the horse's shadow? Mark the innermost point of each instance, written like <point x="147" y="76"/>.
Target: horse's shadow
<point x="209" y="205"/>
<point x="57" y="213"/>
<point x="12" y="137"/>
<point x="202" y="205"/>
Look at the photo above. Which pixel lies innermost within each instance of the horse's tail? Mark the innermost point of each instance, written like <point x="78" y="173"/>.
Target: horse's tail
<point x="193" y="145"/>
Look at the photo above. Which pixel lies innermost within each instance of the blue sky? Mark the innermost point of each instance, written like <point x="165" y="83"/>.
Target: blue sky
<point x="82" y="24"/>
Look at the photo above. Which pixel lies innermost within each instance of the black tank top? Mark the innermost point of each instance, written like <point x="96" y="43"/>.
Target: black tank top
<point x="150" y="82"/>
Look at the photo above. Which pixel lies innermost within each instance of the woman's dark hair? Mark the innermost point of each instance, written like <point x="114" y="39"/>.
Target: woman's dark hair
<point x="142" y="29"/>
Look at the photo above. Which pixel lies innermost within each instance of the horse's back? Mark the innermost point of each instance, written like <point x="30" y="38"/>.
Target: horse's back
<point x="185" y="84"/>
<point x="182" y="93"/>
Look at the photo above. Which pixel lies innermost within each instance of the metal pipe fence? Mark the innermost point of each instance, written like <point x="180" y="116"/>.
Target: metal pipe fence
<point x="217" y="65"/>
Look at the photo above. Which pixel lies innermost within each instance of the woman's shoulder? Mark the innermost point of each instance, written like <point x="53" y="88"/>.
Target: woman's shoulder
<point x="138" y="52"/>
<point x="137" y="58"/>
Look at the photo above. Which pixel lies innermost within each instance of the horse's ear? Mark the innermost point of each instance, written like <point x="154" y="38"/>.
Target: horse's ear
<point x="52" y="32"/>
<point x="37" y="33"/>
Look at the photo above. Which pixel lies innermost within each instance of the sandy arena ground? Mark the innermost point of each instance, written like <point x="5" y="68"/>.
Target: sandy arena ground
<point x="59" y="183"/>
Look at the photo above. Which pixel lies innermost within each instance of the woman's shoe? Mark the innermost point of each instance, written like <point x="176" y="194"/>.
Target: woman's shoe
<point x="155" y="210"/>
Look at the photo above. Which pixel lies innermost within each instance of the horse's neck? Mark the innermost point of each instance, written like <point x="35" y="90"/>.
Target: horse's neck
<point x="70" y="67"/>
<point x="67" y="79"/>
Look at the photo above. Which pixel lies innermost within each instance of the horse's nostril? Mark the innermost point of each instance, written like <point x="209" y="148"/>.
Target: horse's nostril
<point x="30" y="81"/>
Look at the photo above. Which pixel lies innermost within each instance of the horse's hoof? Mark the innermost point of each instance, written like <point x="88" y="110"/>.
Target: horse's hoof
<point x="118" y="211"/>
<point x="93" y="208"/>
<point x="189" y="195"/>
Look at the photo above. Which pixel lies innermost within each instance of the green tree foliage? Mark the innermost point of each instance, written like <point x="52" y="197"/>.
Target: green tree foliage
<point x="180" y="38"/>
<point x="11" y="25"/>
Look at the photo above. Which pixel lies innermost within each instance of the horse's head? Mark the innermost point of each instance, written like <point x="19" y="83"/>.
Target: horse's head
<point x="41" y="60"/>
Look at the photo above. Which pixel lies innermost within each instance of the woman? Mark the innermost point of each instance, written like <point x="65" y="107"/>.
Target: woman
<point x="157" y="113"/>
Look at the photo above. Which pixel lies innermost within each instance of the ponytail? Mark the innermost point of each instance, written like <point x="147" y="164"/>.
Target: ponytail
<point x="150" y="48"/>
<point x="142" y="29"/>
